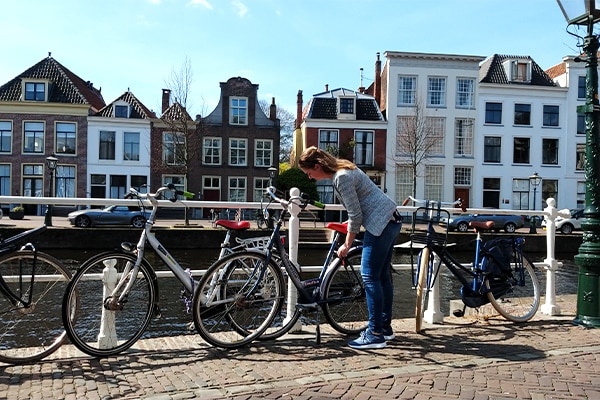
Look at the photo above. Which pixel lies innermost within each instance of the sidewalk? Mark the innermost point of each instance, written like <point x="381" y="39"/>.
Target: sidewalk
<point x="463" y="358"/>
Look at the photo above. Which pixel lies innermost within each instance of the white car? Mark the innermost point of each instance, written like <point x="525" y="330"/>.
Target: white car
<point x="568" y="225"/>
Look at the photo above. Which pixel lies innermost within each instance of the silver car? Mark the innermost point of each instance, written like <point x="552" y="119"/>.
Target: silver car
<point x="111" y="215"/>
<point x="568" y="225"/>
<point x="509" y="223"/>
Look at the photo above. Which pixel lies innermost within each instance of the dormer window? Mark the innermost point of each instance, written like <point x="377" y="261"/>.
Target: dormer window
<point x="347" y="106"/>
<point x="518" y="70"/>
<point x="121" y="111"/>
<point x="35" y="91"/>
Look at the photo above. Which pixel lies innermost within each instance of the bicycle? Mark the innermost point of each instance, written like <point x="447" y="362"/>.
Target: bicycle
<point x="118" y="290"/>
<point x="236" y="284"/>
<point x="30" y="282"/>
<point x="501" y="274"/>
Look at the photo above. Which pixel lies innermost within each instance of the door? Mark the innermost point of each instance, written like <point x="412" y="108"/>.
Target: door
<point x="463" y="194"/>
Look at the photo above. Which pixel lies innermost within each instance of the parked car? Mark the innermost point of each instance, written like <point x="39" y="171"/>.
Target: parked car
<point x="568" y="225"/>
<point x="111" y="215"/>
<point x="509" y="223"/>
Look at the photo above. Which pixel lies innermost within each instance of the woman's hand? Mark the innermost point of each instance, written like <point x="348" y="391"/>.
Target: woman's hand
<point x="343" y="250"/>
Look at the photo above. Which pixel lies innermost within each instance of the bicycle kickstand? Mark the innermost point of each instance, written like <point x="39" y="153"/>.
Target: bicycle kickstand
<point x="312" y="307"/>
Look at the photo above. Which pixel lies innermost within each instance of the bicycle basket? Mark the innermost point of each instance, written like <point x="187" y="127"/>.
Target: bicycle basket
<point x="497" y="256"/>
<point x="438" y="239"/>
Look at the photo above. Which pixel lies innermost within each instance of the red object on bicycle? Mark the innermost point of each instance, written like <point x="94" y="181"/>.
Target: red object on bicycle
<point x="235" y="225"/>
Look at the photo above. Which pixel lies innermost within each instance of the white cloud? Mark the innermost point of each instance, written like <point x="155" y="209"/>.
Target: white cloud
<point x="203" y="3"/>
<point x="241" y="7"/>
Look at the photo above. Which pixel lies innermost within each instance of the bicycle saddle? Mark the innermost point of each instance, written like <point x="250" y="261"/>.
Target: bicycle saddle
<point x="234" y="225"/>
<point x="339" y="227"/>
<point x="481" y="225"/>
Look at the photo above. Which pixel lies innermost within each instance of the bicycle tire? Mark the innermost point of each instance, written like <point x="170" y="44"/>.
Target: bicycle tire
<point x="282" y="323"/>
<point x="519" y="296"/>
<point x="131" y="319"/>
<point x="31" y="333"/>
<point x="345" y="306"/>
<point x="421" y="287"/>
<point x="224" y="315"/>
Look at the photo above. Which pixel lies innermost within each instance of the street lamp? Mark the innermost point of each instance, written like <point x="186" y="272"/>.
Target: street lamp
<point x="51" y="163"/>
<point x="272" y="171"/>
<point x="585" y="12"/>
<point x="534" y="180"/>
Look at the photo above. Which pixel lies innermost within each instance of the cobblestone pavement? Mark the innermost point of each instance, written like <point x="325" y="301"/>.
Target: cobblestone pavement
<point x="463" y="358"/>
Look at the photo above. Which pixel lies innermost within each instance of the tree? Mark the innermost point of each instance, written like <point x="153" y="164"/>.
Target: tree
<point x="287" y="122"/>
<point x="416" y="137"/>
<point x="294" y="177"/>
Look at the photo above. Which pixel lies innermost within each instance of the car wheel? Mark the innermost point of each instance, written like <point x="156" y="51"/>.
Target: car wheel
<point x="566" y="228"/>
<point x="510" y="227"/>
<point x="138" y="221"/>
<point x="462" y="227"/>
<point x="83" y="221"/>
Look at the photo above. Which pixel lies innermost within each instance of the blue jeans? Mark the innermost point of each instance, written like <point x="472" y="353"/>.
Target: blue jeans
<point x="376" y="273"/>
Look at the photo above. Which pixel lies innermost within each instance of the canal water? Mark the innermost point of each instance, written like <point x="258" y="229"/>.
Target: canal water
<point x="175" y="321"/>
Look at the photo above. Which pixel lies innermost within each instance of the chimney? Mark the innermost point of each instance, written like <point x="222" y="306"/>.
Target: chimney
<point x="298" y="109"/>
<point x="377" y="83"/>
<point x="166" y="99"/>
<point x="327" y="87"/>
<point x="273" y="110"/>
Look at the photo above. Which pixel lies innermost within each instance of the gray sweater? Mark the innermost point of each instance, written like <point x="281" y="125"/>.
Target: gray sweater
<point x="366" y="204"/>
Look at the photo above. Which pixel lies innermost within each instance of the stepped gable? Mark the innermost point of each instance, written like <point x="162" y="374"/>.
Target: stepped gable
<point x="492" y="71"/>
<point x="65" y="87"/>
<point x="138" y="109"/>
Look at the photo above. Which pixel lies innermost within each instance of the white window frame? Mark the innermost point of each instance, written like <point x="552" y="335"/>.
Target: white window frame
<point x="39" y="140"/>
<point x="238" y="110"/>
<point x="36" y="92"/>
<point x="436" y="91"/>
<point x="407" y="90"/>
<point x="236" y="189"/>
<point x="368" y="145"/>
<point x="404" y="181"/>
<point x="260" y="184"/>
<point x="436" y="129"/>
<point x="212" y="150"/>
<point x="237" y="152"/>
<point x="132" y="145"/>
<point x="6" y="132"/>
<point x="263" y="153"/>
<point x="68" y="131"/>
<point x="465" y="92"/>
<point x="464" y="129"/>
<point x="174" y="148"/>
<point x="463" y="176"/>
<point x="434" y="182"/>
<point x="179" y="181"/>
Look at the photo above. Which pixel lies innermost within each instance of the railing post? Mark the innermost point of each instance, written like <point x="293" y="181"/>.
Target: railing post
<point x="107" y="337"/>
<point x="293" y="239"/>
<point x="550" y="307"/>
<point x="434" y="314"/>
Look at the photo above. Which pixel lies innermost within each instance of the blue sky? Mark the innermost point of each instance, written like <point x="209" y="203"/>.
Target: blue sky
<point x="281" y="45"/>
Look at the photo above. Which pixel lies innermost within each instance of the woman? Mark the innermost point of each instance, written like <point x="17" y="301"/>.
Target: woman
<point x="367" y="206"/>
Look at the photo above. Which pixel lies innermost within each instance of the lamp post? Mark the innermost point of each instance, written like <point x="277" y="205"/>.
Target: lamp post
<point x="584" y="12"/>
<point x="51" y="163"/>
<point x="534" y="180"/>
<point x="272" y="171"/>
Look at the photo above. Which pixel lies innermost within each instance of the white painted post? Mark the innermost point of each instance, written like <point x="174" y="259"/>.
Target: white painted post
<point x="550" y="307"/>
<point x="108" y="336"/>
<point x="434" y="314"/>
<point x="293" y="239"/>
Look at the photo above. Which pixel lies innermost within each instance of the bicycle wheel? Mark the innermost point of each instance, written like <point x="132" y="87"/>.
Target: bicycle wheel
<point x="282" y="323"/>
<point x="421" y="287"/>
<point x="516" y="296"/>
<point x="31" y="329"/>
<point x="96" y="330"/>
<point x="237" y="299"/>
<point x="345" y="306"/>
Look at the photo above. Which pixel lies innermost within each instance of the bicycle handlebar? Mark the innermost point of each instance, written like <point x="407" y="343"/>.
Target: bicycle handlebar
<point x="435" y="203"/>
<point x="133" y="193"/>
<point x="301" y="200"/>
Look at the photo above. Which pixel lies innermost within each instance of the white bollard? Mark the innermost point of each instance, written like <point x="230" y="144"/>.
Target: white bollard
<point x="434" y="314"/>
<point x="107" y="337"/>
<point x="550" y="307"/>
<point x="293" y="239"/>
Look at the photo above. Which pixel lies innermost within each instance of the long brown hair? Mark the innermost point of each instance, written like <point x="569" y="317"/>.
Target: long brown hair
<point x="330" y="164"/>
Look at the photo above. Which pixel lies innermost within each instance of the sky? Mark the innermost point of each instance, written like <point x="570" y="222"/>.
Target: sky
<point x="281" y="45"/>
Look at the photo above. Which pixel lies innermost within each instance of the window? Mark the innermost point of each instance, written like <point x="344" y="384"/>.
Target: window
<point x="346" y="106"/>
<point x="521" y="151"/>
<point x="325" y="190"/>
<point x="97" y="186"/>
<point x="32" y="180"/>
<point x="491" y="192"/>
<point x="263" y="153"/>
<point x="35" y="91"/>
<point x="493" y="113"/>
<point x="404" y="181"/>
<point x="34" y="137"/>
<point x="4" y="180"/>
<point x="549" y="188"/>
<point x="522" y="114"/>
<point x="260" y="185"/>
<point x="580" y="157"/>
<point x="434" y="180"/>
<point x="65" y="181"/>
<point x="139" y="182"/>
<point x="121" y="111"/>
<point x="436" y="129"/>
<point x="237" y="189"/>
<point x="106" y="151"/>
<point x="177" y="180"/>
<point x="518" y="70"/>
<point x="550" y="116"/>
<point x="580" y="124"/>
<point x="492" y="146"/>
<point x="238" y="111"/>
<point x="211" y="151"/>
<point x="407" y="87"/>
<point x="131" y="146"/>
<point x="328" y="141"/>
<point x="463" y="137"/>
<point x="118" y="186"/>
<point x="363" y="149"/>
<point x="174" y="148"/>
<point x="465" y="92"/>
<point x="5" y="137"/>
<point x="581" y="87"/>
<point x="520" y="194"/>
<point x="65" y="138"/>
<point x="581" y="194"/>
<point x="550" y="151"/>
<point x="462" y="176"/>
<point x="436" y="92"/>
<point x="237" y="152"/>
